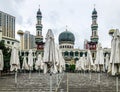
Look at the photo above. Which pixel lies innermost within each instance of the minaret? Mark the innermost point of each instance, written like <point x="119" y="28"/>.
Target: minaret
<point x="94" y="27"/>
<point x="39" y="37"/>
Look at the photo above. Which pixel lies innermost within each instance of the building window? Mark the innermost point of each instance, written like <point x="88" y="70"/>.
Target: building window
<point x="12" y="43"/>
<point x="86" y="54"/>
<point x="71" y="53"/>
<point x="8" y="42"/>
<point x="81" y="54"/>
<point x="76" y="53"/>
<point x="93" y="55"/>
<point x="66" y="53"/>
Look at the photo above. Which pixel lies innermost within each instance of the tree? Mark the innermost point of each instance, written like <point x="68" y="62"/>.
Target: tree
<point x="6" y="55"/>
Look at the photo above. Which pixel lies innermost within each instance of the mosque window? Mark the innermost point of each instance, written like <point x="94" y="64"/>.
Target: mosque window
<point x="12" y="43"/>
<point x="92" y="54"/>
<point x="65" y="53"/>
<point x="67" y="46"/>
<point x="8" y="42"/>
<point x="76" y="53"/>
<point x="71" y="53"/>
<point x="22" y="53"/>
<point x="81" y="54"/>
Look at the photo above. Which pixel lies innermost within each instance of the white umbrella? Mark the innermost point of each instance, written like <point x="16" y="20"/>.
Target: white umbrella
<point x="25" y="65"/>
<point x="1" y="60"/>
<point x="62" y="62"/>
<point x="99" y="62"/>
<point x="30" y="62"/>
<point x="38" y="64"/>
<point x="115" y="53"/>
<point x="49" y="51"/>
<point x="49" y="55"/>
<point x="14" y="60"/>
<point x="106" y="61"/>
<point x="90" y="64"/>
<point x="83" y="60"/>
<point x="77" y="65"/>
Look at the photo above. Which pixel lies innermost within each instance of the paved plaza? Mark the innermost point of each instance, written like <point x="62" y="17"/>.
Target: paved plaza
<point x="67" y="82"/>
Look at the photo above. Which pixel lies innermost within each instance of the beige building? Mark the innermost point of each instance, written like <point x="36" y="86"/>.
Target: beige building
<point x="7" y="23"/>
<point x="7" y="29"/>
<point x="27" y="40"/>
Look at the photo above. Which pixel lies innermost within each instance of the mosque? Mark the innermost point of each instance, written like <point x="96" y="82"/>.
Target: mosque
<point x="66" y="41"/>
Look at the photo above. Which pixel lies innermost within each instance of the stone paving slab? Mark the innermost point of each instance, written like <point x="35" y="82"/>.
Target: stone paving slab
<point x="76" y="82"/>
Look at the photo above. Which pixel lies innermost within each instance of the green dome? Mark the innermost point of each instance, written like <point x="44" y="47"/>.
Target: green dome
<point x="66" y="37"/>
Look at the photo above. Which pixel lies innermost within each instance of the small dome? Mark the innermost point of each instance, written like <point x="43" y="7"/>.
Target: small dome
<point x="94" y="11"/>
<point x="66" y="37"/>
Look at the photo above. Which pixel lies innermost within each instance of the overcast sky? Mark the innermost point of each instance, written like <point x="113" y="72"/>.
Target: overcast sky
<point x="76" y="14"/>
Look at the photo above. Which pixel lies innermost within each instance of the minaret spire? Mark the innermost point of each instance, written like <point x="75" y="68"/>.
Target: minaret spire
<point x="39" y="37"/>
<point x="94" y="26"/>
<point x="66" y="27"/>
<point x="94" y="6"/>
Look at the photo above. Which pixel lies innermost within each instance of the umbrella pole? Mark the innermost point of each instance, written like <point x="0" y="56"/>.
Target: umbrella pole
<point x="116" y="83"/>
<point x="50" y="82"/>
<point x="39" y="71"/>
<point x="99" y="77"/>
<point x="90" y="74"/>
<point x="57" y="79"/>
<point x="30" y="74"/>
<point x="16" y="78"/>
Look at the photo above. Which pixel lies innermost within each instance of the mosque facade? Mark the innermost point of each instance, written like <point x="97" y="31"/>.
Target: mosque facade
<point x="67" y="42"/>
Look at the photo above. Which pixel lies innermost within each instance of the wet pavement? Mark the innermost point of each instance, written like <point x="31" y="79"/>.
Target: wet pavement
<point x="67" y="82"/>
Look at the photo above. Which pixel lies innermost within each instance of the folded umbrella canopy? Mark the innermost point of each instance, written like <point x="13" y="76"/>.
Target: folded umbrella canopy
<point x="115" y="54"/>
<point x="60" y="62"/>
<point x="30" y="60"/>
<point x="39" y="62"/>
<point x="99" y="62"/>
<point x="14" y="60"/>
<point x="49" y="51"/>
<point x="90" y="64"/>
<point x="25" y="65"/>
<point x="106" y="61"/>
<point x="1" y="60"/>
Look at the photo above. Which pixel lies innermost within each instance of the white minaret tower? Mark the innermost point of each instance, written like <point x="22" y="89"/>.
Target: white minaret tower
<point x="39" y="26"/>
<point x="94" y="27"/>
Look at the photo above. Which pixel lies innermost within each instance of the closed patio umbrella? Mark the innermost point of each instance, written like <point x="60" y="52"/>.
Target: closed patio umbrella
<point x="115" y="54"/>
<point x="1" y="60"/>
<point x="99" y="62"/>
<point x="25" y="65"/>
<point x="30" y="62"/>
<point x="49" y="51"/>
<point x="14" y="60"/>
